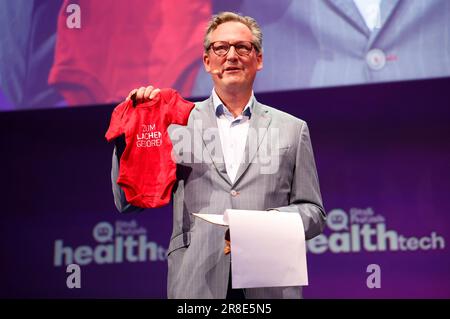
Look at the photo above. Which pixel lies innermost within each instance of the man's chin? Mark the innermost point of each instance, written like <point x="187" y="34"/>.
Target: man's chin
<point x="233" y="80"/>
<point x="232" y="83"/>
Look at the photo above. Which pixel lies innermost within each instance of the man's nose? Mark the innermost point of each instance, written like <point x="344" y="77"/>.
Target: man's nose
<point x="232" y="54"/>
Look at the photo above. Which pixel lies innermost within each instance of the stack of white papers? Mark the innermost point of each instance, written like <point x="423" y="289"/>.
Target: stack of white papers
<point x="267" y="247"/>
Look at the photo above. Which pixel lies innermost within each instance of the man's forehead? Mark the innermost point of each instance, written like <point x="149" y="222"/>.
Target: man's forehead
<point x="231" y="30"/>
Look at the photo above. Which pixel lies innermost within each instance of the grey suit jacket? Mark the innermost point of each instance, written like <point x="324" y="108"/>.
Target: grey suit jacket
<point x="276" y="172"/>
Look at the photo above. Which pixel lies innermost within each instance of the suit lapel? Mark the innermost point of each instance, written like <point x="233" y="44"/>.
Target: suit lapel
<point x="348" y="10"/>
<point x="259" y="124"/>
<point x="214" y="147"/>
<point x="387" y="9"/>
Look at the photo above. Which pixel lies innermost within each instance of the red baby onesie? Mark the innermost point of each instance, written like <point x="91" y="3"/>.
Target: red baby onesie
<point x="147" y="171"/>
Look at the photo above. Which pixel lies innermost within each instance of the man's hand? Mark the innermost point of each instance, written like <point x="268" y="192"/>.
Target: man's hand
<point x="142" y="94"/>
<point x="227" y="248"/>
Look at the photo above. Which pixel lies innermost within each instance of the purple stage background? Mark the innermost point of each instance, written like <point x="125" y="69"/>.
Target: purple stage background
<point x="382" y="154"/>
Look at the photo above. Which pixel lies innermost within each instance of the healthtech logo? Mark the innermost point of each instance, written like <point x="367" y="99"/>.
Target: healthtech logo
<point x="363" y="230"/>
<point x="126" y="241"/>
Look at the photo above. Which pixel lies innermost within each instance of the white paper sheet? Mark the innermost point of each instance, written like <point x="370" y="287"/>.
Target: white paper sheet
<point x="267" y="247"/>
<point x="213" y="218"/>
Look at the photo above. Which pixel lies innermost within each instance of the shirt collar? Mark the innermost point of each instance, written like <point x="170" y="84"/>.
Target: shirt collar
<point x="220" y="108"/>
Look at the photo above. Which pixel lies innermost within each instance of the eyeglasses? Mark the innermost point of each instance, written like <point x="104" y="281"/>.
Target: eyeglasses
<point x="221" y="48"/>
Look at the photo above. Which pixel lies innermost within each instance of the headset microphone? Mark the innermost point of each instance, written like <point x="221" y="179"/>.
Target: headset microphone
<point x="217" y="72"/>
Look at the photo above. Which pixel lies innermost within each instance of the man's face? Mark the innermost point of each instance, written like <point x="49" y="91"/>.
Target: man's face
<point x="236" y="71"/>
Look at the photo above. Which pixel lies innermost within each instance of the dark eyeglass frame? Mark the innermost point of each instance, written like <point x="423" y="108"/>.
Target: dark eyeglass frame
<point x="236" y="48"/>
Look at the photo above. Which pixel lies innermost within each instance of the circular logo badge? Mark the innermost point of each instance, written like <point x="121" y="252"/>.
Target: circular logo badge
<point x="103" y="232"/>
<point x="337" y="220"/>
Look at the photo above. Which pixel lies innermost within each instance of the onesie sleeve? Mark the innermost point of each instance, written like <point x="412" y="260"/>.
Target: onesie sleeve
<point x="118" y="120"/>
<point x="178" y="109"/>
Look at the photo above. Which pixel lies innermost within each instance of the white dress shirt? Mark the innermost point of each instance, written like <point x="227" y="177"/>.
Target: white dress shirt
<point x="233" y="133"/>
<point x="370" y="11"/>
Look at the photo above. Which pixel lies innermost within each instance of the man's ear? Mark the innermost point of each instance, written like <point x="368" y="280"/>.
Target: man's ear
<point x="206" y="62"/>
<point x="259" y="59"/>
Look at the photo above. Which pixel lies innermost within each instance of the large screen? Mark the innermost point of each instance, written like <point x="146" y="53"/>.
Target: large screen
<point x="69" y="53"/>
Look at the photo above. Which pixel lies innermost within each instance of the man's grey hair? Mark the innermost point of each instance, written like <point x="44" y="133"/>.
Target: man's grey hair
<point x="223" y="17"/>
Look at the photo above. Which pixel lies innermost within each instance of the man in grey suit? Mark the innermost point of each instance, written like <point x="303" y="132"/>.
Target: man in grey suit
<point x="235" y="153"/>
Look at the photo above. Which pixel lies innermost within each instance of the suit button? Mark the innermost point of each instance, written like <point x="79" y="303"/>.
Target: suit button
<point x="376" y="59"/>
<point x="233" y="193"/>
